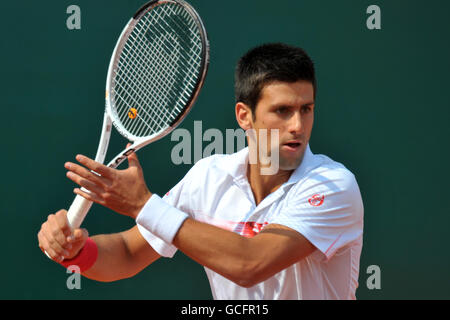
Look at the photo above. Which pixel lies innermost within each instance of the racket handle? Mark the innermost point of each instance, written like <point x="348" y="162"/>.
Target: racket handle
<point x="77" y="211"/>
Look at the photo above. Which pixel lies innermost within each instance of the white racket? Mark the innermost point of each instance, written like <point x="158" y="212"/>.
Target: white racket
<point x="156" y="71"/>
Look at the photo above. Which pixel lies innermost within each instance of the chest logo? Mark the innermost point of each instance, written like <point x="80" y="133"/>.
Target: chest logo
<point x="316" y="200"/>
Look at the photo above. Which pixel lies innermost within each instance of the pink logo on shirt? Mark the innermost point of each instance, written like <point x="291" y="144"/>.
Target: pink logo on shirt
<point x="249" y="229"/>
<point x="316" y="200"/>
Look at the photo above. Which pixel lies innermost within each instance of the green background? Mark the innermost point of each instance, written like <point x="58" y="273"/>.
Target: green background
<point x="382" y="110"/>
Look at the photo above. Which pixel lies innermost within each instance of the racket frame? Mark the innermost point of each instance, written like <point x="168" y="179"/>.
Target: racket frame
<point x="80" y="206"/>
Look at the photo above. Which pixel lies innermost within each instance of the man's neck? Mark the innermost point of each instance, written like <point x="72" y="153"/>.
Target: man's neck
<point x="263" y="185"/>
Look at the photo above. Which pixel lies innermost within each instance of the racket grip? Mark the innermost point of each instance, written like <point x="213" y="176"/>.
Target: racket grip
<point x="77" y="211"/>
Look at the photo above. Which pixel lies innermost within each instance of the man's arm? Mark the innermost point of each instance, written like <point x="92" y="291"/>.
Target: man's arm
<point x="245" y="261"/>
<point x="242" y="260"/>
<point x="120" y="255"/>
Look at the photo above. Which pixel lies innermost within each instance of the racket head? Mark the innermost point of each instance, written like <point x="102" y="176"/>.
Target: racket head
<point x="157" y="70"/>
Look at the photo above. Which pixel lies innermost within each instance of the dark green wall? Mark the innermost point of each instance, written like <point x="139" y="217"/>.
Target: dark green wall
<point x="382" y="110"/>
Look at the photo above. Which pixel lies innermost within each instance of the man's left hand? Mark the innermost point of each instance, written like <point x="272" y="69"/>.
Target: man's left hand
<point x="123" y="191"/>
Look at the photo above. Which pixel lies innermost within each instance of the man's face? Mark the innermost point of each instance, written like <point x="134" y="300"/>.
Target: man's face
<point x="288" y="107"/>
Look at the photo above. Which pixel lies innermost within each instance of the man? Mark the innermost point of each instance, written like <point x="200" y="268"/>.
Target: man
<point x="293" y="234"/>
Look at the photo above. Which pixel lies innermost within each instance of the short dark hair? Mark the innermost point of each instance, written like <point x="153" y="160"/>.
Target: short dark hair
<point x="268" y="63"/>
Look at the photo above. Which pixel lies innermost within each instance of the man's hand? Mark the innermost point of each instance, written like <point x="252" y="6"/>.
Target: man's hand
<point x="123" y="191"/>
<point x="56" y="238"/>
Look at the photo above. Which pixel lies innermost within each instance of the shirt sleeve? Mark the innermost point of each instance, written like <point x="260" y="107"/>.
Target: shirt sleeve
<point x="326" y="208"/>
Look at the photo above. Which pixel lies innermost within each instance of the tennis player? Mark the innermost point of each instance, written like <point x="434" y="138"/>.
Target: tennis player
<point x="294" y="234"/>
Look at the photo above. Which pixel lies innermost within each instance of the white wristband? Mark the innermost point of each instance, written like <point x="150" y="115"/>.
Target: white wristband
<point x="160" y="218"/>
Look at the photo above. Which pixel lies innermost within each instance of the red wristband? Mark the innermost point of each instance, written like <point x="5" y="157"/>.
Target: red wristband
<point x="85" y="258"/>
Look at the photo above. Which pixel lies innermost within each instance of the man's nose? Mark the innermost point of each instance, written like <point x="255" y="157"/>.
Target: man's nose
<point x="295" y="123"/>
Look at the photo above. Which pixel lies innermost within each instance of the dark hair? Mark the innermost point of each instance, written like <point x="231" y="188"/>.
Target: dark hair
<point x="268" y="63"/>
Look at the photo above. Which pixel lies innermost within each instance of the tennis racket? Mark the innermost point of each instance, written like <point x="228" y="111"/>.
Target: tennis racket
<point x="155" y="74"/>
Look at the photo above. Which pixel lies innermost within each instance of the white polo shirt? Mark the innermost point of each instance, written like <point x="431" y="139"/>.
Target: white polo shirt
<point x="321" y="200"/>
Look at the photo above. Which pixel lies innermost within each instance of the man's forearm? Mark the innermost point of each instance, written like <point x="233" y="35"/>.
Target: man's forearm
<point x="245" y="261"/>
<point x="117" y="258"/>
<point x="225" y="252"/>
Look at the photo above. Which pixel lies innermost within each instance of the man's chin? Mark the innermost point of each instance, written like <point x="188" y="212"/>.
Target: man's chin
<point x="289" y="163"/>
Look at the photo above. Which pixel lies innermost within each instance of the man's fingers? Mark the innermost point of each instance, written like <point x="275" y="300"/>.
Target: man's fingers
<point x="90" y="196"/>
<point x="133" y="160"/>
<point x="85" y="173"/>
<point x="53" y="255"/>
<point x="54" y="237"/>
<point x="59" y="228"/>
<point x="52" y="246"/>
<point x="45" y="247"/>
<point x="85" y="183"/>
<point x="78" y="235"/>
<point x="61" y="220"/>
<point x="95" y="166"/>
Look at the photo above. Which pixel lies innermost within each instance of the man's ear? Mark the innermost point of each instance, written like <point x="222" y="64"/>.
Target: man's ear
<point x="244" y="116"/>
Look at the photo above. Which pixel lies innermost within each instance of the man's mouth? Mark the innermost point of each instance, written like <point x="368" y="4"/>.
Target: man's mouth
<point x="292" y="145"/>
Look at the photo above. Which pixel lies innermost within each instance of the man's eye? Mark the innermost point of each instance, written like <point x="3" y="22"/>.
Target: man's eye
<point x="282" y="110"/>
<point x="306" y="109"/>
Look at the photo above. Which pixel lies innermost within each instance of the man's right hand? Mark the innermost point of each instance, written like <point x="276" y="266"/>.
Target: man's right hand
<point x="57" y="239"/>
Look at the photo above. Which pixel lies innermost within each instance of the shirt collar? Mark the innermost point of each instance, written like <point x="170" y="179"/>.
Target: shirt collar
<point x="236" y="166"/>
<point x="309" y="162"/>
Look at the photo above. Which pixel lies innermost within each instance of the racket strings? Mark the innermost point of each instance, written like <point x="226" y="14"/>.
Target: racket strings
<point x="128" y="104"/>
<point x="137" y="98"/>
<point x="158" y="68"/>
<point x="165" y="62"/>
<point x="168" y="62"/>
<point x="142" y="92"/>
<point x="170" y="77"/>
<point x="161" y="93"/>
<point x="180" y="29"/>
<point x="163" y="76"/>
<point x="146" y="92"/>
<point x="136" y="76"/>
